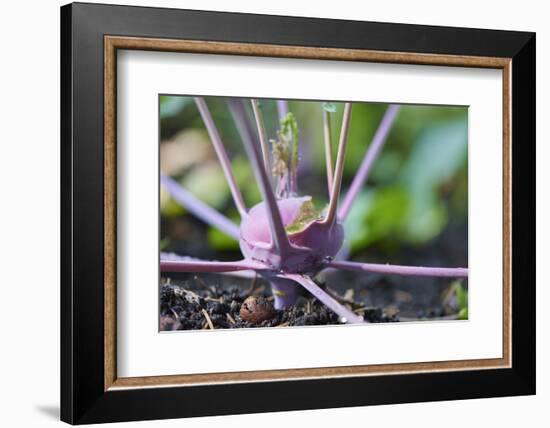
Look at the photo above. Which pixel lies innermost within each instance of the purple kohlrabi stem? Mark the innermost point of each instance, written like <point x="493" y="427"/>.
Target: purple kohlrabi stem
<point x="278" y="234"/>
<point x="282" y="109"/>
<point x="346" y="315"/>
<point x="171" y="257"/>
<point x="209" y="266"/>
<point x="261" y="132"/>
<point x="327" y="131"/>
<point x="222" y="155"/>
<point x="370" y="156"/>
<point x="285" y="291"/>
<point x="339" y="169"/>
<point x="401" y="270"/>
<point x="198" y="208"/>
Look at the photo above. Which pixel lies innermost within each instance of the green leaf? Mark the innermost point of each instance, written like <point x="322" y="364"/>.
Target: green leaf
<point x="241" y="170"/>
<point x="357" y="234"/>
<point x="220" y="241"/>
<point x="437" y="156"/>
<point x="389" y="208"/>
<point x="376" y="214"/>
<point x="172" y="105"/>
<point x="164" y="243"/>
<point x="329" y="107"/>
<point x="307" y="214"/>
<point x="168" y="206"/>
<point x="386" y="167"/>
<point x="461" y="294"/>
<point x="246" y="181"/>
<point x="207" y="182"/>
<point x="364" y="122"/>
<point x="426" y="218"/>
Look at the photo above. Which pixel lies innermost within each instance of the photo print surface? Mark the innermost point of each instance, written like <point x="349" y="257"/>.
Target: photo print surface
<point x="284" y="213"/>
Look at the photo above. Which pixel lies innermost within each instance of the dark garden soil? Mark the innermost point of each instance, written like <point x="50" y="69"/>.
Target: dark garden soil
<point x="215" y="307"/>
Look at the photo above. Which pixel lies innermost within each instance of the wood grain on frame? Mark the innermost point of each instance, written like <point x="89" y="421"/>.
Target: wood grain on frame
<point x="112" y="43"/>
<point x="110" y="213"/>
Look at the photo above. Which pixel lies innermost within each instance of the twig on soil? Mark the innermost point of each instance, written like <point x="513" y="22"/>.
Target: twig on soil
<point x="258" y="290"/>
<point x="230" y="318"/>
<point x="284" y="324"/>
<point x="340" y="299"/>
<point x="208" y="320"/>
<point x="196" y="297"/>
<point x="204" y="284"/>
<point x="175" y="313"/>
<point x="193" y="295"/>
<point x="348" y="295"/>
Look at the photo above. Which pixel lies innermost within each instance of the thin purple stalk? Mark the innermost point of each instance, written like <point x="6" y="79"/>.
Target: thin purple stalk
<point x="170" y="257"/>
<point x="209" y="266"/>
<point x="282" y="109"/>
<point x="327" y="131"/>
<point x="199" y="209"/>
<point x="222" y="155"/>
<point x="278" y="234"/>
<point x="261" y="132"/>
<point x="343" y="312"/>
<point x="343" y="254"/>
<point x="370" y="156"/>
<point x="401" y="270"/>
<point x="339" y="169"/>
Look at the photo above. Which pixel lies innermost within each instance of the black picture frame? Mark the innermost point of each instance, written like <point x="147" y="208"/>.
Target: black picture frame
<point x="83" y="396"/>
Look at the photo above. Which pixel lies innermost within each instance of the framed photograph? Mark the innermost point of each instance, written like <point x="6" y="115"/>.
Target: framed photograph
<point x="265" y="213"/>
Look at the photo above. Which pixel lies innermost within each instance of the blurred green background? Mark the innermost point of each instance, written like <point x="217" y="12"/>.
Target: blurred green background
<point x="417" y="188"/>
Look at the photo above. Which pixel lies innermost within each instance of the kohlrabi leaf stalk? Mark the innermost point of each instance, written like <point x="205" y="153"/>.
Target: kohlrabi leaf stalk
<point x="327" y="134"/>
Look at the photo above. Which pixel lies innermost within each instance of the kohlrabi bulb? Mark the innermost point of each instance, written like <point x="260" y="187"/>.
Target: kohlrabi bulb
<point x="305" y="229"/>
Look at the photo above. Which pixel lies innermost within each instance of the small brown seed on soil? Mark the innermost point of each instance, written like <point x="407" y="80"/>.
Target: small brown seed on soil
<point x="256" y="309"/>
